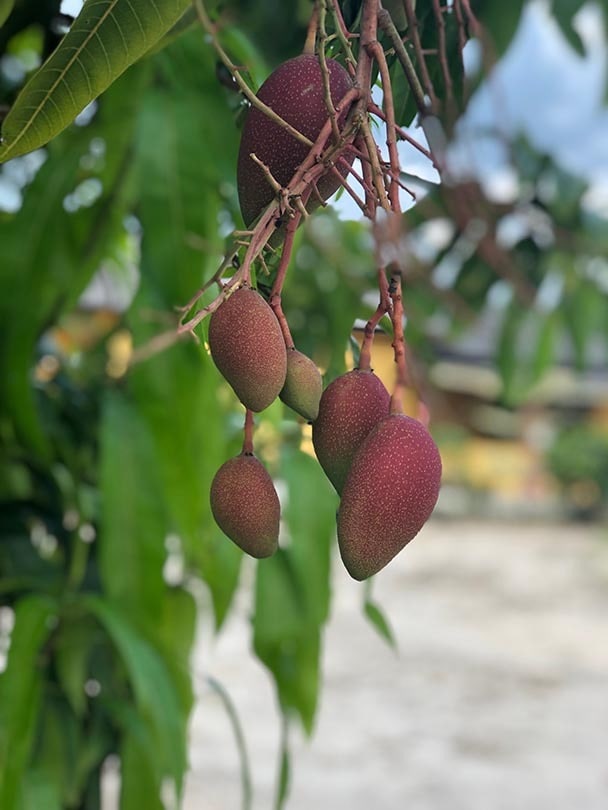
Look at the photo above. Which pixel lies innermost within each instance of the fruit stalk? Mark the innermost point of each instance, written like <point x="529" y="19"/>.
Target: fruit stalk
<point x="384" y="306"/>
<point x="398" y="340"/>
<point x="321" y="43"/>
<point x="391" y="137"/>
<point x="277" y="287"/>
<point x="248" y="433"/>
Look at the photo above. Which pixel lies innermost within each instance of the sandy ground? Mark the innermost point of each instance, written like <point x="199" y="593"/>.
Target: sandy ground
<point x="497" y="698"/>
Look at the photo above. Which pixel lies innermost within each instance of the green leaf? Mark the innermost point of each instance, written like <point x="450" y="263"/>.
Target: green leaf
<point x="56" y="752"/>
<point x="508" y="353"/>
<point x="170" y="393"/>
<point x="140" y="783"/>
<point x="181" y="169"/>
<point x="546" y="340"/>
<point x="239" y="736"/>
<point x="41" y="791"/>
<point x="133" y="524"/>
<point x="284" y="779"/>
<point x="564" y="11"/>
<point x="20" y="692"/>
<point x="584" y="311"/>
<point x="378" y="619"/>
<point x="73" y="645"/>
<point x="155" y="693"/>
<point x="182" y="172"/>
<point x="6" y="6"/>
<point x="175" y="634"/>
<point x="501" y="20"/>
<point x="293" y="590"/>
<point x="242" y="50"/>
<point x="106" y="37"/>
<point x="54" y="251"/>
<point x="401" y="95"/>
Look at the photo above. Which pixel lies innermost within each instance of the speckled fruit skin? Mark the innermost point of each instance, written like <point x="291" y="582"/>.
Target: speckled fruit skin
<point x="389" y="494"/>
<point x="248" y="348"/>
<point x="303" y="385"/>
<point x="245" y="505"/>
<point x="295" y="92"/>
<point x="350" y="407"/>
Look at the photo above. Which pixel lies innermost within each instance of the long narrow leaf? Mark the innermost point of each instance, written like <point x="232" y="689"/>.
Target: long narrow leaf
<point x="106" y="38"/>
<point x="155" y="693"/>
<point x="6" y="6"/>
<point x="20" y="689"/>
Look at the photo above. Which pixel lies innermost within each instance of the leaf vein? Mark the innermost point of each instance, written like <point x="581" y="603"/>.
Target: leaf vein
<point x="63" y="72"/>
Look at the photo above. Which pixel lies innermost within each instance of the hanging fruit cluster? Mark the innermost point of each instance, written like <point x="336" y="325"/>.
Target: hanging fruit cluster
<point x="303" y="131"/>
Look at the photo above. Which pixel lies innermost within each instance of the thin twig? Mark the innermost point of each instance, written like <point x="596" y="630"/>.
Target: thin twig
<point x="402" y="133"/>
<point x="414" y="36"/>
<point x="462" y="37"/>
<point x="321" y="44"/>
<point x="443" y="59"/>
<point x="386" y="23"/>
<point x="391" y="141"/>
<point x="384" y="306"/>
<point x="277" y="287"/>
<point x="243" y="86"/>
<point x="377" y="171"/>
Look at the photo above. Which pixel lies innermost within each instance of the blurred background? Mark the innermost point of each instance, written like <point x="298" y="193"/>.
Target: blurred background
<point x="141" y="655"/>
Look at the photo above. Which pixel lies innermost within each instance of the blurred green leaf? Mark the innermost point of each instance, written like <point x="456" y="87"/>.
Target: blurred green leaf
<point x="56" y="751"/>
<point x="176" y="634"/>
<point x="239" y="735"/>
<point x="183" y="170"/>
<point x="284" y="776"/>
<point x="508" y="353"/>
<point x="73" y="645"/>
<point x="53" y="248"/>
<point x="242" y="50"/>
<point x="564" y="11"/>
<point x="133" y="524"/>
<point x="546" y="344"/>
<point x="176" y="398"/>
<point x="41" y="791"/>
<point x="21" y="686"/>
<point x="584" y="312"/>
<point x="404" y="113"/>
<point x="103" y="41"/>
<point x="334" y="266"/>
<point x="183" y="194"/>
<point x="140" y="783"/>
<point x="155" y="693"/>
<point x="6" y="6"/>
<point x="293" y="589"/>
<point x="378" y="619"/>
<point x="500" y="19"/>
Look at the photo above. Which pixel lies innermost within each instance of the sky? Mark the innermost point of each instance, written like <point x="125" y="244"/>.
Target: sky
<point x="545" y="89"/>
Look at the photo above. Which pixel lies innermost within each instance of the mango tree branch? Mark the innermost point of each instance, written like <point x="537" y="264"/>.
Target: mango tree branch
<point x="402" y="133"/>
<point x="391" y="140"/>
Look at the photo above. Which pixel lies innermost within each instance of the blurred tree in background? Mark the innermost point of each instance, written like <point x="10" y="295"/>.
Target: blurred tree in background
<point x="109" y="222"/>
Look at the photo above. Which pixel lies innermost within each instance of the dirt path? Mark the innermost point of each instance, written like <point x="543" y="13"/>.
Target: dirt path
<point x="497" y="698"/>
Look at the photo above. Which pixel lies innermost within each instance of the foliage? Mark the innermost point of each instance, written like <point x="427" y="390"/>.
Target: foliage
<point x="105" y="527"/>
<point x="580" y="454"/>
